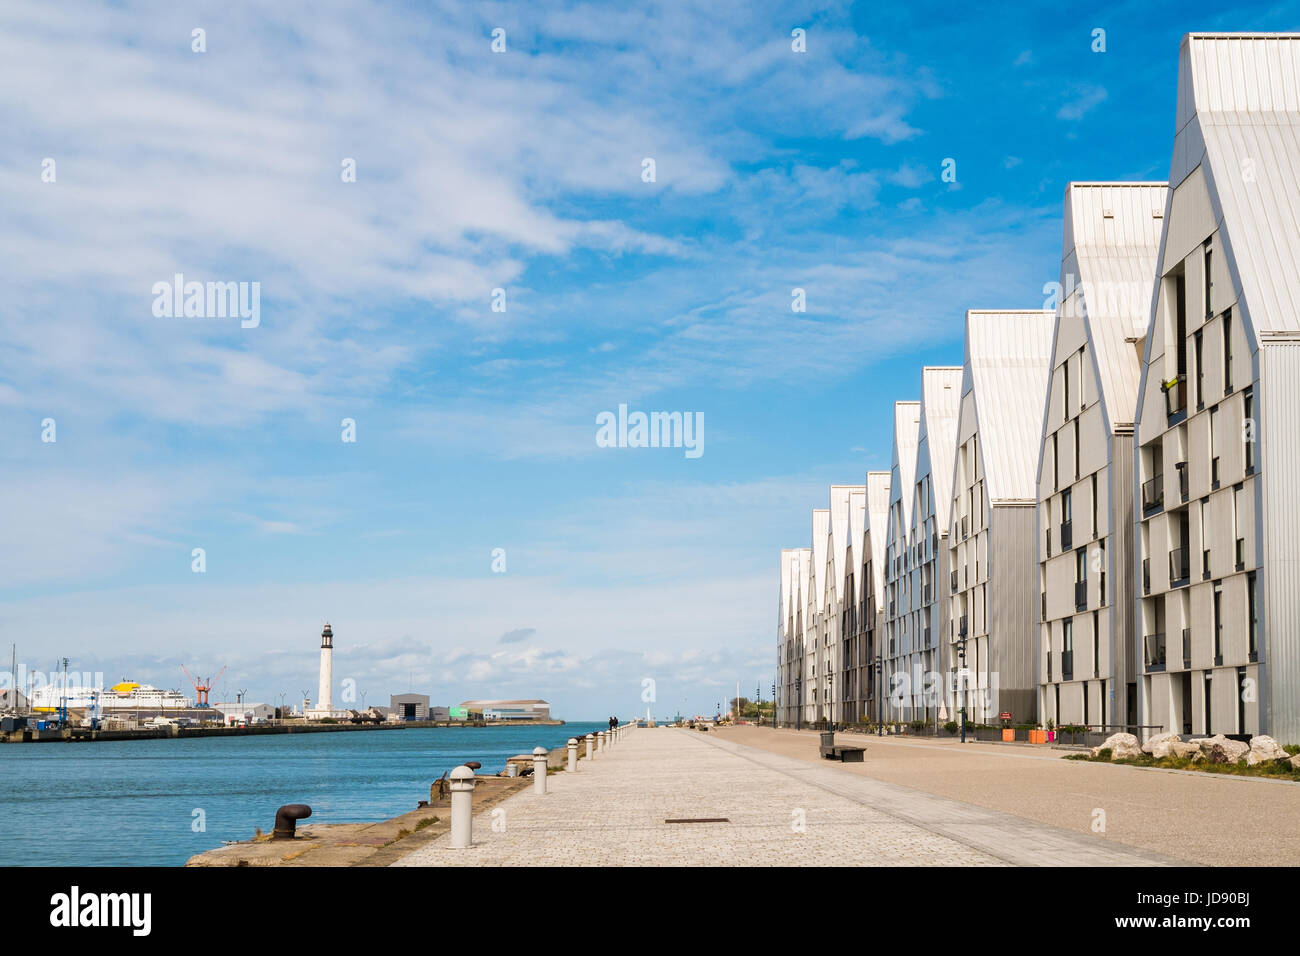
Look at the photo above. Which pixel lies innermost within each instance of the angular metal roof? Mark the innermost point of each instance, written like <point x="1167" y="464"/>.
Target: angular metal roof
<point x="1008" y="360"/>
<point x="821" y="521"/>
<point x="1239" y="118"/>
<point x="857" y="530"/>
<point x="783" y="613"/>
<point x="840" y="532"/>
<point x="878" y="498"/>
<point x="907" y="429"/>
<point x="1108" y="268"/>
<point x="940" y="405"/>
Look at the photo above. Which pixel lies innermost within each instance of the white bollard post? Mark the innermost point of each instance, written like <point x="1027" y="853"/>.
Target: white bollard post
<point x="591" y="740"/>
<point x="539" y="770"/>
<point x="462" y="808"/>
<point x="573" y="755"/>
<point x="600" y="742"/>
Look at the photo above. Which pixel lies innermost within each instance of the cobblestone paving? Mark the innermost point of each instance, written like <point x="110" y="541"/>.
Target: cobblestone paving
<point x="613" y="812"/>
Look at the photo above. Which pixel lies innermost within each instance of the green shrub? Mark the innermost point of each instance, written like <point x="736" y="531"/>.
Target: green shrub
<point x="951" y="726"/>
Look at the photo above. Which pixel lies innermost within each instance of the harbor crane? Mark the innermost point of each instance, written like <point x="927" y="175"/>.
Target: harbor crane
<point x="202" y="687"/>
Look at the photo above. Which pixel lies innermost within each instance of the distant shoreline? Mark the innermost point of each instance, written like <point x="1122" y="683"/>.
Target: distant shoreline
<point x="86" y="735"/>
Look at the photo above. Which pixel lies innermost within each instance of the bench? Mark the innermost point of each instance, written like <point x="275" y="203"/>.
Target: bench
<point x="845" y="753"/>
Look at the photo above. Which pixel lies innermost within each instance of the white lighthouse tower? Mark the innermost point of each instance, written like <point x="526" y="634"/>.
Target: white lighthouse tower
<point x="325" y="699"/>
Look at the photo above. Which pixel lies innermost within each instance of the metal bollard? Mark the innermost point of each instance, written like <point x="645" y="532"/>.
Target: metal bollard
<point x="539" y="770"/>
<point x="462" y="808"/>
<point x="573" y="755"/>
<point x="286" y="819"/>
<point x="591" y="740"/>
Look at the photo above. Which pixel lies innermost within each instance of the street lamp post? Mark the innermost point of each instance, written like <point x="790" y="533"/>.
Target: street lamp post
<point x="830" y="707"/>
<point x="961" y="654"/>
<point x="798" y="697"/>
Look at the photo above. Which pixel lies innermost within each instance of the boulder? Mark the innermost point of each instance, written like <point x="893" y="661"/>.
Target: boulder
<point x="1121" y="746"/>
<point x="1219" y="749"/>
<point x="1178" y="748"/>
<point x="1263" y="749"/>
<point x="1159" y="739"/>
<point x="1295" y="762"/>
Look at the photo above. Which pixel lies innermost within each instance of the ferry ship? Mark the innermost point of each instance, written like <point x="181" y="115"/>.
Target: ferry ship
<point x="124" y="696"/>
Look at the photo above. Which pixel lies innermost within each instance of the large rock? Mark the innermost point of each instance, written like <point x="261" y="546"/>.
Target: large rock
<point x="1121" y="746"/>
<point x="1263" y="749"/>
<point x="1219" y="749"/>
<point x="1152" y="742"/>
<point x="1158" y="746"/>
<point x="1189" y="750"/>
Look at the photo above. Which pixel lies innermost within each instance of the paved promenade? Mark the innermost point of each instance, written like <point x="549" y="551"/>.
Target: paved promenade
<point x="779" y="811"/>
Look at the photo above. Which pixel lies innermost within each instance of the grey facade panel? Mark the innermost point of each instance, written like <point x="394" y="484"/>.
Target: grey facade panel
<point x="1013" y="608"/>
<point x="1122" y="582"/>
<point x="1277" y="528"/>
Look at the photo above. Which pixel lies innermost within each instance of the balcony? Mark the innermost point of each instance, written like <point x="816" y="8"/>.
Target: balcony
<point x="965" y="528"/>
<point x="1175" y="399"/>
<point x="1181" y="468"/>
<point x="954" y="581"/>
<point x="925" y="593"/>
<point x="1153" y="646"/>
<point x="1067" y="535"/>
<point x="961" y="626"/>
<point x="1214" y="473"/>
<point x="1146" y="575"/>
<point x="1205" y="565"/>
<point x="1187" y="648"/>
<point x="1153" y="495"/>
<point x="1067" y="665"/>
<point x="1179" y="572"/>
<point x="1081" y="595"/>
<point x="1241" y="554"/>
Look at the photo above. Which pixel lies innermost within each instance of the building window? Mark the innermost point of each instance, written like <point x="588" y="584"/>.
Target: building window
<point x="1227" y="352"/>
<point x="1249" y="431"/>
<point x="1083" y="382"/>
<point x="1198" y="347"/>
<point x="1209" y="282"/>
<point x="1252" y="616"/>
<point x="1076" y="449"/>
<point x="1218" y="624"/>
<point x="1096" y="644"/>
<point x="1056" y="473"/>
<point x="1095" y="531"/>
<point x="1209" y="697"/>
<point x="1065" y="405"/>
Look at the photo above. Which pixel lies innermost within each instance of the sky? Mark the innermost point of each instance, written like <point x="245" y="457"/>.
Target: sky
<point x="475" y="539"/>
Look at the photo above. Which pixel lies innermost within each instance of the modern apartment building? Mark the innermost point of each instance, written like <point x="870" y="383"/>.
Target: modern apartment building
<point x="817" y="667"/>
<point x="993" y="614"/>
<point x="1087" y="660"/>
<point x="875" y="534"/>
<point x="855" y="630"/>
<point x="1218" y="417"/>
<point x="788" y="653"/>
<point x="897" y="575"/>
<point x="932" y="503"/>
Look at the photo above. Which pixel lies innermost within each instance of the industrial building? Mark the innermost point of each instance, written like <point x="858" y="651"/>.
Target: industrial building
<point x="993" y="614"/>
<point x="409" y="707"/>
<point x="1088" y="661"/>
<point x="509" y="709"/>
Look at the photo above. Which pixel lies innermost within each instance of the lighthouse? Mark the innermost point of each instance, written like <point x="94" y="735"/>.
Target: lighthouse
<point x="325" y="699"/>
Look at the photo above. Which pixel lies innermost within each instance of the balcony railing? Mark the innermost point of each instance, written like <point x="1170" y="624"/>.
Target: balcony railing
<point x="1175" y="398"/>
<point x="1067" y="665"/>
<point x="1154" y="652"/>
<point x="1146" y="575"/>
<point x="1241" y="554"/>
<point x="1153" y="494"/>
<point x="1187" y="648"/>
<point x="1179" y="572"/>
<point x="1182" y="478"/>
<point x="1080" y="595"/>
<point x="1067" y="535"/>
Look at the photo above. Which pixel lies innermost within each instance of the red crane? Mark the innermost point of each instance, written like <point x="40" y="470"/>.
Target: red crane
<point x="201" y="687"/>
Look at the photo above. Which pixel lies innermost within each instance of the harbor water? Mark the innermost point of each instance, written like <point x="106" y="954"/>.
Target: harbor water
<point x="158" y="802"/>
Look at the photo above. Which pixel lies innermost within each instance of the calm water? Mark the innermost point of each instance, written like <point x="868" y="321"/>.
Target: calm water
<point x="132" y="803"/>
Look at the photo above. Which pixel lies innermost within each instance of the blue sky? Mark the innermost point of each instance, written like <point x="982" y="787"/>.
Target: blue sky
<point x="476" y="429"/>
